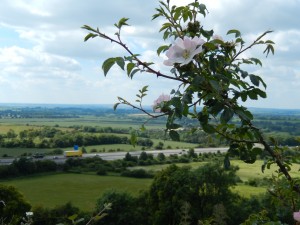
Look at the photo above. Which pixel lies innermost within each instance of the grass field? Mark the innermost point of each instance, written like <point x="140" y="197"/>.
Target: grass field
<point x="105" y="121"/>
<point x="81" y="189"/>
<point x="16" y="152"/>
<point x="84" y="189"/>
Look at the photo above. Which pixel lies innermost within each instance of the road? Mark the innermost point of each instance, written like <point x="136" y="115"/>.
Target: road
<point x="120" y="155"/>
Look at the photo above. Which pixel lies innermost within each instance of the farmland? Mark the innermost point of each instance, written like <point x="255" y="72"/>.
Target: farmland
<point x="51" y="130"/>
<point x="56" y="189"/>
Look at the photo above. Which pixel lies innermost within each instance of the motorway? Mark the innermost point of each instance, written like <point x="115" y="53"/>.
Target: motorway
<point x="119" y="155"/>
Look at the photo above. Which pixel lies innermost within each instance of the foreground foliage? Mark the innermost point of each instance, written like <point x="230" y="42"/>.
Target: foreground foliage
<point x="212" y="84"/>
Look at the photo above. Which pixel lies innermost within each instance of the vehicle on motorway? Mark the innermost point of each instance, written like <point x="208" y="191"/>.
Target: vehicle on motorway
<point x="38" y="155"/>
<point x="73" y="153"/>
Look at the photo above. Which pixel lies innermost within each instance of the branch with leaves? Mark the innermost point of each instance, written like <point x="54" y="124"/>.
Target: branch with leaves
<point x="212" y="83"/>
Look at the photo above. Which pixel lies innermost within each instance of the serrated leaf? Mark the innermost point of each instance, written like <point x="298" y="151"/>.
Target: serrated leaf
<point x="90" y="35"/>
<point x="244" y="96"/>
<point x="244" y="114"/>
<point x="202" y="9"/>
<point x="174" y="135"/>
<point x="261" y="93"/>
<point x="162" y="49"/>
<point x="134" y="72"/>
<point x="208" y="128"/>
<point x="256" y="61"/>
<point x="120" y="61"/>
<point x="226" y="115"/>
<point x="130" y="67"/>
<point x="145" y="88"/>
<point x="236" y="32"/>
<point x="252" y="95"/>
<point x="107" y="64"/>
<point x="165" y="26"/>
<point x="254" y="79"/>
<point x="122" y="22"/>
<point x="215" y="85"/>
<point x="177" y="14"/>
<point x="176" y="103"/>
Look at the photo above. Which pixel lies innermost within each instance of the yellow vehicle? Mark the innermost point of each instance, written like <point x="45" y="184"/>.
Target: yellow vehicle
<point x="73" y="153"/>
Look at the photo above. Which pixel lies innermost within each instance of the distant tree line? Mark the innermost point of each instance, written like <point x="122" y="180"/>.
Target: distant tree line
<point x="50" y="137"/>
<point x="25" y="166"/>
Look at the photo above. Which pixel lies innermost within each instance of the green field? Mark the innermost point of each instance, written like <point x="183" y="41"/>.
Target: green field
<point x="80" y="189"/>
<point x="16" y="152"/>
<point x="84" y="189"/>
<point x="103" y="121"/>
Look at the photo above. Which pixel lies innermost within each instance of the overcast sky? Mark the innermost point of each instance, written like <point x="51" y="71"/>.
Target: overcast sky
<point x="43" y="58"/>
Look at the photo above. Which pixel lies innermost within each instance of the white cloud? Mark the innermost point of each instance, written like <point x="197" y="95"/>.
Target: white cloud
<point x="55" y="63"/>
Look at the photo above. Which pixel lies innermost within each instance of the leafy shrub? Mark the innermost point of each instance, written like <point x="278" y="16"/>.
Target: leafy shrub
<point x="138" y="173"/>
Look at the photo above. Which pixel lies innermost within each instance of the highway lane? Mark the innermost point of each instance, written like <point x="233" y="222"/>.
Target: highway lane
<point x="120" y="155"/>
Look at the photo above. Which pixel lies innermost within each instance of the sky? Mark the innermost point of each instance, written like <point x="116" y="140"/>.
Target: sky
<point x="44" y="59"/>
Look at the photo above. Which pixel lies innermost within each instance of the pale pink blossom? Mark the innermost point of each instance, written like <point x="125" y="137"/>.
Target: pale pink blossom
<point x="160" y="99"/>
<point x="217" y="37"/>
<point x="184" y="50"/>
<point x="297" y="216"/>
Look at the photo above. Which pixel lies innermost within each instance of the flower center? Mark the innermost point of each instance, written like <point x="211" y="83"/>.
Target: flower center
<point x="186" y="54"/>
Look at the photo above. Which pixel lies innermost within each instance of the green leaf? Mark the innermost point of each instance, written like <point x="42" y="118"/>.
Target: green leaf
<point x="215" y="85"/>
<point x="244" y="96"/>
<point x="256" y="61"/>
<point x="162" y="49"/>
<point x="90" y="35"/>
<point x="144" y="89"/>
<point x="73" y="217"/>
<point x="176" y="102"/>
<point x="133" y="138"/>
<point x="236" y="32"/>
<point x="226" y="115"/>
<point x="122" y="22"/>
<point x="165" y="26"/>
<point x="120" y="61"/>
<point x="79" y="220"/>
<point x="99" y="217"/>
<point x="116" y="105"/>
<point x="261" y="93"/>
<point x="202" y="9"/>
<point x="130" y="66"/>
<point x="174" y="135"/>
<point x="143" y="128"/>
<point x="107" y="64"/>
<point x="252" y="95"/>
<point x="226" y="162"/>
<point x="244" y="114"/>
<point x="269" y="48"/>
<point x="177" y="13"/>
<point x="173" y="126"/>
<point x="208" y="128"/>
<point x="134" y="72"/>
<point x="254" y="79"/>
<point x="256" y="151"/>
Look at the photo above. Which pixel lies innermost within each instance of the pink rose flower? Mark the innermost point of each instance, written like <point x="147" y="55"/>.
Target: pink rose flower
<point x="161" y="98"/>
<point x="297" y="216"/>
<point x="184" y="50"/>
